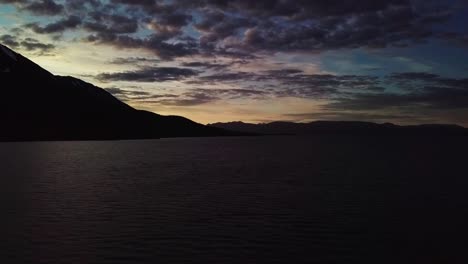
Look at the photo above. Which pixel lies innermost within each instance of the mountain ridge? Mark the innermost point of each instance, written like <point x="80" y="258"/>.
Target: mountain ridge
<point x="40" y="106"/>
<point x="341" y="127"/>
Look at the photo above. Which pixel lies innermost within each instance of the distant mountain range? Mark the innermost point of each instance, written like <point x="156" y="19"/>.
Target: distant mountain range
<point x="37" y="105"/>
<point x="341" y="127"/>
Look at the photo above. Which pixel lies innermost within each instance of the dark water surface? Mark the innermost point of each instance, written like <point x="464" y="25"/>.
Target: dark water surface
<point x="321" y="199"/>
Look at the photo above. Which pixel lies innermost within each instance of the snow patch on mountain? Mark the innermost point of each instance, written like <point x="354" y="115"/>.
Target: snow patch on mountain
<point x="8" y="52"/>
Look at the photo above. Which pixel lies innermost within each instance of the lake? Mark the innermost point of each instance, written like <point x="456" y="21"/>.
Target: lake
<point x="317" y="199"/>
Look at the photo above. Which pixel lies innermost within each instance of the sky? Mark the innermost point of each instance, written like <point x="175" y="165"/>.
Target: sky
<point x="399" y="61"/>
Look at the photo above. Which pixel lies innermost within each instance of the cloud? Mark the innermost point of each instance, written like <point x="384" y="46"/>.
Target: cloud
<point x="301" y="8"/>
<point x="295" y="83"/>
<point x="187" y="99"/>
<point x="10" y="41"/>
<point x="233" y="93"/>
<point x="414" y="76"/>
<point x="416" y="90"/>
<point x="111" y="24"/>
<point x="432" y="98"/>
<point x="133" y="60"/>
<point x="14" y="1"/>
<point x="129" y="94"/>
<point x="44" y="7"/>
<point x="199" y="96"/>
<point x="217" y="26"/>
<point x="149" y="74"/>
<point x="135" y="2"/>
<point x="348" y="97"/>
<point x="79" y="5"/>
<point x="353" y="92"/>
<point x="182" y="28"/>
<point x="116" y="91"/>
<point x="226" y="77"/>
<point x="412" y="96"/>
<point x="315" y="25"/>
<point x="458" y="38"/>
<point x="31" y="44"/>
<point x="56" y="27"/>
<point x="28" y="44"/>
<point x="40" y="7"/>
<point x="157" y="44"/>
<point x="206" y="65"/>
<point x="172" y="20"/>
<point x="213" y="64"/>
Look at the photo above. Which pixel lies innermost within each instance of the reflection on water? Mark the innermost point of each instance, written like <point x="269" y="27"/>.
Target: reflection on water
<point x="235" y="200"/>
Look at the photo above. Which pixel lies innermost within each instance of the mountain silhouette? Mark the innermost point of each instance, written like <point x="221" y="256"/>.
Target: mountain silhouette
<point x="38" y="105"/>
<point x="342" y="127"/>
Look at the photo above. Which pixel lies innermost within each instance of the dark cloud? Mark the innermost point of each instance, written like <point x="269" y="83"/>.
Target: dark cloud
<point x="435" y="98"/>
<point x="235" y="93"/>
<point x="393" y="26"/>
<point x="315" y="25"/>
<point x="295" y="83"/>
<point x="149" y="74"/>
<point x="238" y="55"/>
<point x="198" y="96"/>
<point x="216" y="26"/>
<point x="133" y="60"/>
<point x="216" y="65"/>
<point x="28" y="44"/>
<point x="226" y="77"/>
<point x="427" y="91"/>
<point x="13" y="1"/>
<point x="129" y="94"/>
<point x="210" y="65"/>
<point x="10" y="41"/>
<point x="300" y="8"/>
<point x="349" y="97"/>
<point x="353" y="92"/>
<point x="78" y="5"/>
<point x="174" y="19"/>
<point x="414" y="96"/>
<point x="31" y="44"/>
<point x="283" y="72"/>
<point x="169" y="24"/>
<point x="145" y="3"/>
<point x="101" y="23"/>
<point x="157" y="44"/>
<point x="199" y="64"/>
<point x="243" y="27"/>
<point x="116" y="91"/>
<point x="187" y="99"/>
<point x="44" y="7"/>
<point x="111" y="24"/>
<point x="40" y="7"/>
<point x="56" y="27"/>
<point x="414" y="76"/>
<point x="457" y="38"/>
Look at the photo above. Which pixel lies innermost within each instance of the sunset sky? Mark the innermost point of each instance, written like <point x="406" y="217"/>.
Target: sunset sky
<point x="256" y="61"/>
